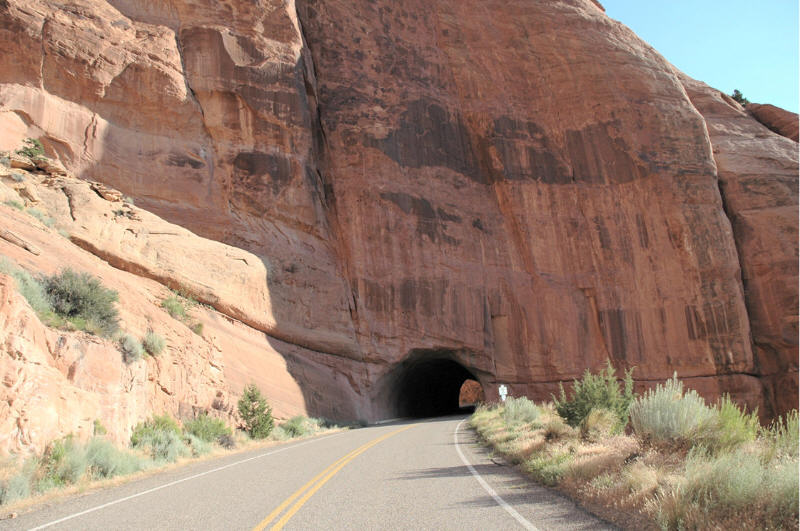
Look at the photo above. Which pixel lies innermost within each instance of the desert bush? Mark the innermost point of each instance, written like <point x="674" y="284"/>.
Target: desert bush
<point x="601" y="390"/>
<point x="104" y="460"/>
<point x="599" y="423"/>
<point x="152" y="425"/>
<point x="255" y="413"/>
<point x="206" y="427"/>
<point x="556" y="429"/>
<point x="41" y="216"/>
<point x="14" y="204"/>
<point x="668" y="415"/>
<point x="297" y="427"/>
<point x="733" y="486"/>
<point x="32" y="148"/>
<point x="30" y="288"/>
<point x="131" y="348"/>
<point x="227" y="441"/>
<point x="98" y="428"/>
<point x="520" y="411"/>
<point x="197" y="445"/>
<point x="547" y="468"/>
<point x="781" y="437"/>
<point x="153" y="343"/>
<point x="730" y="427"/>
<point x="177" y="306"/>
<point x="81" y="298"/>
<point x="174" y="306"/>
<point x="18" y="486"/>
<point x="63" y="463"/>
<point x="163" y="446"/>
<point x="161" y="437"/>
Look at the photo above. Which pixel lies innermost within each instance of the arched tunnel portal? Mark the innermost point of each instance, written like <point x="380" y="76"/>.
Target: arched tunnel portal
<point x="429" y="384"/>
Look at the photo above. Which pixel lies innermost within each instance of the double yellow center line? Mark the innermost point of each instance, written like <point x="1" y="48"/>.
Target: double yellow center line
<point x="306" y="491"/>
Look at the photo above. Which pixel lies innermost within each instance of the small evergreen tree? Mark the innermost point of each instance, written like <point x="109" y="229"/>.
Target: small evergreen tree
<point x="255" y="412"/>
<point x="739" y="97"/>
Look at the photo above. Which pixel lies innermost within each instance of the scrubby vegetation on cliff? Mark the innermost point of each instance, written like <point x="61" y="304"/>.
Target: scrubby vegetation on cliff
<point x="684" y="464"/>
<point x="178" y="306"/>
<point x="68" y="299"/>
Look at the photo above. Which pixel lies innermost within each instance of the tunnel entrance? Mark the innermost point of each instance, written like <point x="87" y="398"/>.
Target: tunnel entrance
<point x="430" y="386"/>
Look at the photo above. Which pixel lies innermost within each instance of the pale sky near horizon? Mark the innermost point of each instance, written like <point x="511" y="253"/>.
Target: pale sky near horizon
<point x="731" y="44"/>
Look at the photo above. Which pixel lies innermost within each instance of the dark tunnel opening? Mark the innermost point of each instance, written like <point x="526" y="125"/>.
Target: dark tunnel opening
<point x="430" y="387"/>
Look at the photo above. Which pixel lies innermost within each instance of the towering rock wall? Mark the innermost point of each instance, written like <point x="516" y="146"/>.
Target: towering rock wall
<point x="526" y="188"/>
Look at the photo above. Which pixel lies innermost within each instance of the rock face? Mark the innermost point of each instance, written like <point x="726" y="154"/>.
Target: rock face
<point x="783" y="122"/>
<point x="522" y="189"/>
<point x="54" y="382"/>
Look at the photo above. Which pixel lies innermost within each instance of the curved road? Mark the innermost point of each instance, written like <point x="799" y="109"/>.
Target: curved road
<point x="427" y="474"/>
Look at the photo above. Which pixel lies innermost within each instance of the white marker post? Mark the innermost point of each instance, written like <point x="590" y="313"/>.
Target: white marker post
<point x="503" y="390"/>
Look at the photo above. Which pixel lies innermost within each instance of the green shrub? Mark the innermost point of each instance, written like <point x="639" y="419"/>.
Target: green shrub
<point x="206" y="427"/>
<point x="781" y="437"/>
<point x="599" y="424"/>
<point x="160" y="436"/>
<point x="63" y="463"/>
<point x="256" y="414"/>
<point x="669" y="415"/>
<point x="296" y="427"/>
<point x="197" y="328"/>
<point x="549" y="469"/>
<point x="107" y="461"/>
<point x="28" y="286"/>
<point x="41" y="216"/>
<point x="556" y="429"/>
<point x="14" y="204"/>
<point x="730" y="427"/>
<point x="174" y="307"/>
<point x="152" y="425"/>
<point x="131" y="348"/>
<point x="32" y="148"/>
<point x="520" y="410"/>
<point x="596" y="391"/>
<point x="98" y="428"/>
<point x="197" y="445"/>
<point x="83" y="299"/>
<point x="18" y="486"/>
<point x="153" y="343"/>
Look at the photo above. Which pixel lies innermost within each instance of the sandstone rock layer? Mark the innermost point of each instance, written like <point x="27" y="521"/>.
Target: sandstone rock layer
<point x="526" y="189"/>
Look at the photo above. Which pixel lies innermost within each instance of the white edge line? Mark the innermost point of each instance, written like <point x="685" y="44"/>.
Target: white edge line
<point x="195" y="476"/>
<point x="500" y="501"/>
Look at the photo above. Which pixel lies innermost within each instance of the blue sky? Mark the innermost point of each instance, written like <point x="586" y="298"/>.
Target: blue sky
<point x="732" y="44"/>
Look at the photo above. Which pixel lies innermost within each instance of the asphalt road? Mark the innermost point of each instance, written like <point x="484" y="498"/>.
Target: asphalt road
<point x="407" y="475"/>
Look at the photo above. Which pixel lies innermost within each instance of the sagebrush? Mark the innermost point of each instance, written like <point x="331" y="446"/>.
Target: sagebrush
<point x="153" y="343"/>
<point x="82" y="299"/>
<point x="206" y="427"/>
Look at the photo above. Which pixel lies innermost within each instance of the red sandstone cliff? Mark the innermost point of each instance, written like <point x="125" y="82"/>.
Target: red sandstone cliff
<point x="526" y="188"/>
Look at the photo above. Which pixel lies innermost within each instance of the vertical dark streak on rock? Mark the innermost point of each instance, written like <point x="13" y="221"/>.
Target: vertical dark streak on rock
<point x="209" y="137"/>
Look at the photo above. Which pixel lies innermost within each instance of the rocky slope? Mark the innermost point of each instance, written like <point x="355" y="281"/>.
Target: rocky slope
<point x="524" y="188"/>
<point x="57" y="382"/>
